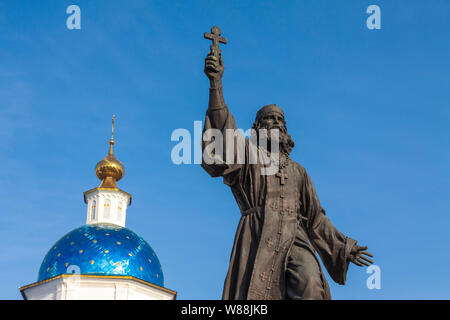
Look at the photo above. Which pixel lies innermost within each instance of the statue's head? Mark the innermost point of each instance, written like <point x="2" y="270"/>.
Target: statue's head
<point x="271" y="117"/>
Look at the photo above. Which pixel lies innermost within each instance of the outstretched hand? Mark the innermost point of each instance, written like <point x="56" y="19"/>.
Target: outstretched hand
<point x="359" y="256"/>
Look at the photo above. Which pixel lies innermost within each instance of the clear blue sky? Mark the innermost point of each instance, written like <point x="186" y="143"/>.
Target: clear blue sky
<point x="369" y="111"/>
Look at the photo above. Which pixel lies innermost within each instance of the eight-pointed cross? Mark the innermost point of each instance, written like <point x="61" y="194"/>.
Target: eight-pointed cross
<point x="216" y="38"/>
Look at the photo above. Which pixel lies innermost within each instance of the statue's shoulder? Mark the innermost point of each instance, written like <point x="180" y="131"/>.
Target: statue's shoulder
<point x="298" y="166"/>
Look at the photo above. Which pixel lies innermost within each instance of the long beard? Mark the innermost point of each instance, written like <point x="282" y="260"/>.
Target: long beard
<point x="286" y="144"/>
<point x="285" y="141"/>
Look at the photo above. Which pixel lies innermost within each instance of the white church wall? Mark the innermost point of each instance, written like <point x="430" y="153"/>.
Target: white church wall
<point x="70" y="287"/>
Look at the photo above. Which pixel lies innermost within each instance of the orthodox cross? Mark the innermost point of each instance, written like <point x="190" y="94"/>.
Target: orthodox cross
<point x="216" y="39"/>
<point x="112" y="129"/>
<point x="111" y="141"/>
<point x="281" y="175"/>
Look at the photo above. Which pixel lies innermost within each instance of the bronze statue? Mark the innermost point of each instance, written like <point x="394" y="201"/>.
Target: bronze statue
<point x="282" y="223"/>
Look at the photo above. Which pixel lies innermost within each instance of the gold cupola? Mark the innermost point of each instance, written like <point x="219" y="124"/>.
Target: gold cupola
<point x="110" y="170"/>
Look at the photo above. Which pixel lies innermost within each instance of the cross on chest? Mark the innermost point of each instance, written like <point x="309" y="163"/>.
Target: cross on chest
<point x="282" y="176"/>
<point x="216" y="39"/>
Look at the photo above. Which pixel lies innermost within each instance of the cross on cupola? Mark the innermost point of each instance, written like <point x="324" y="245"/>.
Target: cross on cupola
<point x="282" y="176"/>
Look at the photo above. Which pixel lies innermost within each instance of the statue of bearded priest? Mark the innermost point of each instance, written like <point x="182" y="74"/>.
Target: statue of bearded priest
<point x="282" y="225"/>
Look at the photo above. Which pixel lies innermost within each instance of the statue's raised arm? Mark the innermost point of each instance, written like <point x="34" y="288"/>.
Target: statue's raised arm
<point x="214" y="69"/>
<point x="218" y="117"/>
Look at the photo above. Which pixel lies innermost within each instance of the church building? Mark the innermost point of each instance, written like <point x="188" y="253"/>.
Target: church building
<point x="102" y="259"/>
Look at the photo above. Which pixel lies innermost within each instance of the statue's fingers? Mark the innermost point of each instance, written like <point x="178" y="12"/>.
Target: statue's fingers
<point x="363" y="262"/>
<point x="208" y="60"/>
<point x="367" y="253"/>
<point x="210" y="69"/>
<point x="211" y="65"/>
<point x="357" y="263"/>
<point x="211" y="56"/>
<point x="362" y="248"/>
<point x="366" y="259"/>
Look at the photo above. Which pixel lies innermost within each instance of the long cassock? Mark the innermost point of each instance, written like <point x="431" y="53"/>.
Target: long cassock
<point x="272" y="210"/>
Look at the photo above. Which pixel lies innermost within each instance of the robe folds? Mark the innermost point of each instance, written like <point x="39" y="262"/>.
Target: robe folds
<point x="271" y="212"/>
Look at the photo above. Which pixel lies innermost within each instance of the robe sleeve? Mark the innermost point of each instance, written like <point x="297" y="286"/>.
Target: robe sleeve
<point x="333" y="247"/>
<point x="218" y="117"/>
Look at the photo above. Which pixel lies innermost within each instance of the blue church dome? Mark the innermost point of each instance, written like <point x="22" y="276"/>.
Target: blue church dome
<point x="103" y="249"/>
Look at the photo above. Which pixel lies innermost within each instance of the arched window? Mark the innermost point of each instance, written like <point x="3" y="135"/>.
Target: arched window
<point x="119" y="212"/>
<point x="107" y="206"/>
<point x="94" y="206"/>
